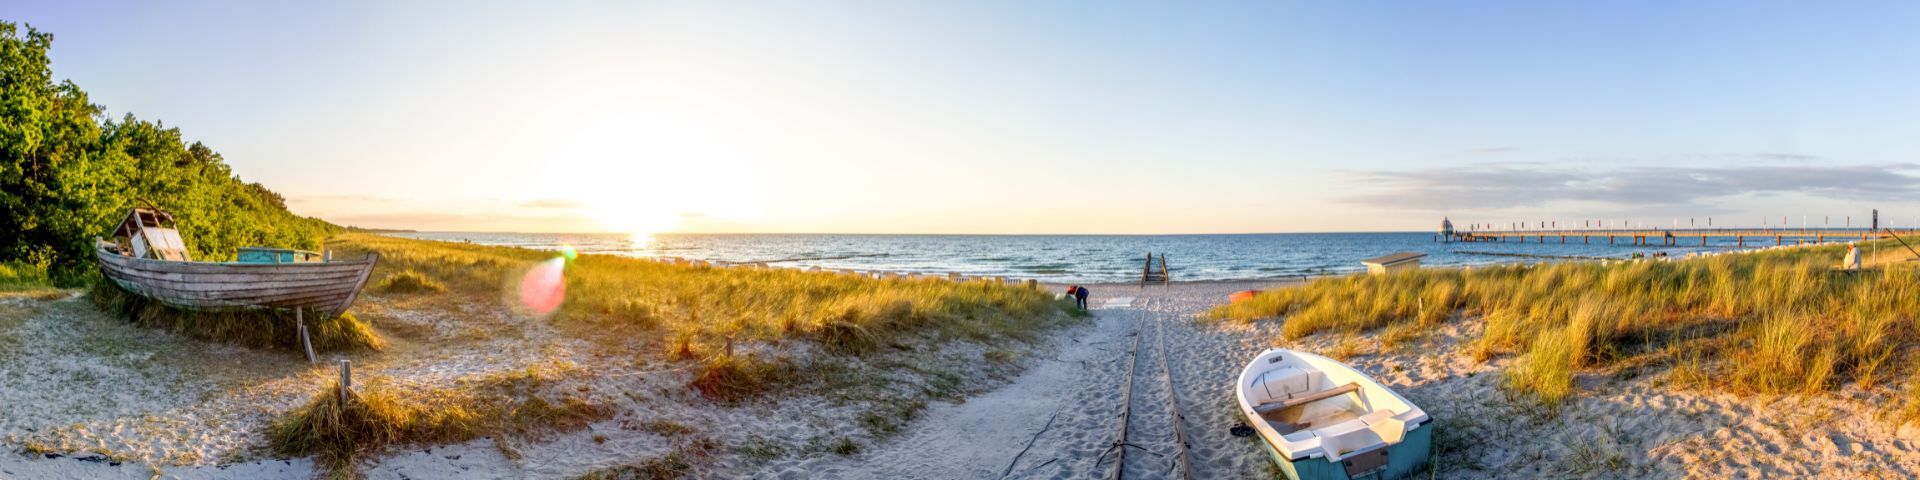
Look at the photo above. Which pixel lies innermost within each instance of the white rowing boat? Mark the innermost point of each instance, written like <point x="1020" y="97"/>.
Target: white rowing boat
<point x="1321" y="419"/>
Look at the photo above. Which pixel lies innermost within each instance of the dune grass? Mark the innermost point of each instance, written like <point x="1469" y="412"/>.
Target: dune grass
<point x="723" y="316"/>
<point x="259" y="328"/>
<point x="1773" y="322"/>
<point x="379" y="414"/>
<point x="408" y="281"/>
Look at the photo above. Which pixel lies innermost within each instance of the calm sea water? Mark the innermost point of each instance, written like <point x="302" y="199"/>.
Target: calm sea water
<point x="1064" y="258"/>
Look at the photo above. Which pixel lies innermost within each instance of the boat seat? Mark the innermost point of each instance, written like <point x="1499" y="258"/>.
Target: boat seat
<point x="1281" y="384"/>
<point x="1347" y="437"/>
<point x="1383" y="423"/>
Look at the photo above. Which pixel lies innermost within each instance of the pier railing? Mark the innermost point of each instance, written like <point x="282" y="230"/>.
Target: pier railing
<point x="1646" y="236"/>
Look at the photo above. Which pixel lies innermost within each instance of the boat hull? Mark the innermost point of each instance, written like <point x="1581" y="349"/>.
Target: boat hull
<point x="1412" y="455"/>
<point x="324" y="288"/>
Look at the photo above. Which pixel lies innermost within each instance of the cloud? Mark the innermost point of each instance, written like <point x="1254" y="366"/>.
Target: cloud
<point x="1485" y="150"/>
<point x="1507" y="185"/>
<point x="553" y="203"/>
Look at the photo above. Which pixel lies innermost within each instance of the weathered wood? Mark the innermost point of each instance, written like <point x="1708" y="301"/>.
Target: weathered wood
<point x="346" y="381"/>
<point x="162" y="266"/>
<point x="329" y="288"/>
<point x="1306" y="399"/>
<point x="362" y="283"/>
<point x="299" y="317"/>
<point x="242" y="278"/>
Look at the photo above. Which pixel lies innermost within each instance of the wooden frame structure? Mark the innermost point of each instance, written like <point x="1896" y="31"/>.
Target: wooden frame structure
<point x="1148" y="275"/>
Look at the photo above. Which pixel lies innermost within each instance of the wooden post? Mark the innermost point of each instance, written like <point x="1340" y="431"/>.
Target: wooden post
<point x="300" y="318"/>
<point x="346" y="380"/>
<point x="1165" y="277"/>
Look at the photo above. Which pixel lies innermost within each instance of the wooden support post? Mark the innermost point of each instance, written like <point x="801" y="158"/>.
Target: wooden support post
<point x="1740" y="240"/>
<point x="1703" y="240"/>
<point x="300" y="319"/>
<point x="346" y="381"/>
<point x="1609" y="239"/>
<point x="1776" y="240"/>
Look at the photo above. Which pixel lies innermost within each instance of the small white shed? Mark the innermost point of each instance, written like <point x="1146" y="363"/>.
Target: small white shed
<point x="1393" y="263"/>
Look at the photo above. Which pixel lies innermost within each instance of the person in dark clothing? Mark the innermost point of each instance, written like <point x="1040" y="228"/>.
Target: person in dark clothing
<point x="1080" y="297"/>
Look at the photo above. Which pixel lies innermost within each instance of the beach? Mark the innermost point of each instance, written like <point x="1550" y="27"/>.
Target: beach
<point x="172" y="406"/>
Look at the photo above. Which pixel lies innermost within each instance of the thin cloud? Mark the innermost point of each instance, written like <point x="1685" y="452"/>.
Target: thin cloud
<point x="1488" y="150"/>
<point x="560" y="203"/>
<point x="1519" y="185"/>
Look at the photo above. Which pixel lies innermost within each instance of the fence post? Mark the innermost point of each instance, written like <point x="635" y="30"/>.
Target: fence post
<point x="346" y="380"/>
<point x="300" y="318"/>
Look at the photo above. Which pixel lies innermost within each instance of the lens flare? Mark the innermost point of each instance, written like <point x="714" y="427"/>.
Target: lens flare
<point x="544" y="287"/>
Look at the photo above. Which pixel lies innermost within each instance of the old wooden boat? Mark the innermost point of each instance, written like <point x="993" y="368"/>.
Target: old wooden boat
<point x="1321" y="419"/>
<point x="148" y="258"/>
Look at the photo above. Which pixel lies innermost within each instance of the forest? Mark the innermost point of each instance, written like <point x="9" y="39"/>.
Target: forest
<point x="68" y="173"/>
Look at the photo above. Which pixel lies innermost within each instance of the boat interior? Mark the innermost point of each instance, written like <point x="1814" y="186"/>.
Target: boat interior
<point x="1310" y="404"/>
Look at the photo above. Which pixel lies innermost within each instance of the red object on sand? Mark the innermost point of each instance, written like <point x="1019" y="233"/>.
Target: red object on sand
<point x="1238" y="297"/>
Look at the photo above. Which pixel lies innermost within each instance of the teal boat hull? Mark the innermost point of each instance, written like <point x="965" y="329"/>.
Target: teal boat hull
<point x="1404" y="459"/>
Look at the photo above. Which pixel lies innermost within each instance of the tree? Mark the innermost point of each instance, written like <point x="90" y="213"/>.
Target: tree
<point x="67" y="175"/>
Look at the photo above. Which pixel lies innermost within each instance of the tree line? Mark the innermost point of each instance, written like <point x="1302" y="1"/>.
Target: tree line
<point x="68" y="174"/>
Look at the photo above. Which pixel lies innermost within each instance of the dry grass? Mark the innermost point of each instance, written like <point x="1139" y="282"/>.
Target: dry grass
<point x="260" y="328"/>
<point x="408" y="281"/>
<point x="717" y="315"/>
<point x="379" y="414"/>
<point x="1767" y="322"/>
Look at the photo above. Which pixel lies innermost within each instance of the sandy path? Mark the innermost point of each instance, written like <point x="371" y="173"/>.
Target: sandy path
<point x="1077" y="386"/>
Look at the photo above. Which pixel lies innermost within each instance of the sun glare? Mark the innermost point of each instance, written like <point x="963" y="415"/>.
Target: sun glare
<point x="645" y="175"/>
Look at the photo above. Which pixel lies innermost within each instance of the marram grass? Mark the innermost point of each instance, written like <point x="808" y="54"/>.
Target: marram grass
<point x="378" y="415"/>
<point x="1774" y="322"/>
<point x="717" y="314"/>
<point x="258" y="327"/>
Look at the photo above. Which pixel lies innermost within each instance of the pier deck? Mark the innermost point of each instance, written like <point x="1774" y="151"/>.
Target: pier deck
<point x="1648" y="236"/>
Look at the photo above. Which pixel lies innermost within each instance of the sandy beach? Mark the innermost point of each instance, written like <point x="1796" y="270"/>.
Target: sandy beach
<point x="139" y="402"/>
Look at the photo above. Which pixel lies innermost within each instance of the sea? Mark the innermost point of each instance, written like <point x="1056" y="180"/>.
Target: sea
<point x="1075" y="258"/>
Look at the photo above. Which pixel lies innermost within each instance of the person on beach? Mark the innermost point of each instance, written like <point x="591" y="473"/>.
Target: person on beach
<point x="1852" y="262"/>
<point x="1080" y="296"/>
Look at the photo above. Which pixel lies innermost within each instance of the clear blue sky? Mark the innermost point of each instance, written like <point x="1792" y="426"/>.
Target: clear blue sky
<point x="1024" y="117"/>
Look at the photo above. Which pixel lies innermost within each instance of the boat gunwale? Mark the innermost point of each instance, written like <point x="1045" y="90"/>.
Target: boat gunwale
<point x="1261" y="429"/>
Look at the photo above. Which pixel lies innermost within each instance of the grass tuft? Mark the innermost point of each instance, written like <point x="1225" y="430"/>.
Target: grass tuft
<point x="408" y="281"/>
<point x="378" y="415"/>
<point x="1774" y="322"/>
<point x="256" y="327"/>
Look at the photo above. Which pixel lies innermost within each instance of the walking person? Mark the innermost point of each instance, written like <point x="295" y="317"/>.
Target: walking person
<point x="1080" y="296"/>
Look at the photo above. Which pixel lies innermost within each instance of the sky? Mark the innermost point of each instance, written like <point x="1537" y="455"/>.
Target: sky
<point x="1025" y="117"/>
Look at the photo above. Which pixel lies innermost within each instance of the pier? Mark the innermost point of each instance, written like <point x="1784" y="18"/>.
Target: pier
<point x="1673" y="236"/>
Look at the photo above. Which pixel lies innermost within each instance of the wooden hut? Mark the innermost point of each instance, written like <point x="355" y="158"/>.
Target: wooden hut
<point x="1393" y="263"/>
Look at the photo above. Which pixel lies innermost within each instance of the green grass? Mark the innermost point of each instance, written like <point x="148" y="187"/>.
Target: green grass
<point x="1770" y="322"/>
<point x="17" y="276"/>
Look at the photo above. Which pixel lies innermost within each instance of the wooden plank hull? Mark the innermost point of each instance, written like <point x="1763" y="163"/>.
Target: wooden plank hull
<point x="325" y="288"/>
